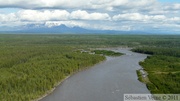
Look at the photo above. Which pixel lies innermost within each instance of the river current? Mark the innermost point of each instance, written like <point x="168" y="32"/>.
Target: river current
<point x="106" y="81"/>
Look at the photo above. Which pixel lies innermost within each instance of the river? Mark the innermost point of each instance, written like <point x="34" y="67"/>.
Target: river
<point x="106" y="81"/>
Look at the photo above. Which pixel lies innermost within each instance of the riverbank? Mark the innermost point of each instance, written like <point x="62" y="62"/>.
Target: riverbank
<point x="142" y="76"/>
<point x="104" y="81"/>
<point x="58" y="84"/>
<point x="50" y="91"/>
<point x="162" y="68"/>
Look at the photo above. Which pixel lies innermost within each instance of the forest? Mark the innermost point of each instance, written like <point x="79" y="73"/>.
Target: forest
<point x="29" y="70"/>
<point x="163" y="67"/>
<point x="32" y="64"/>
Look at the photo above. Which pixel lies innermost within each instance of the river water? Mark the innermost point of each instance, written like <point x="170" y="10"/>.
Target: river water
<point x="106" y="81"/>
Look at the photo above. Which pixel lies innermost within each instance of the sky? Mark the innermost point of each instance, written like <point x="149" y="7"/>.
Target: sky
<point x="123" y="15"/>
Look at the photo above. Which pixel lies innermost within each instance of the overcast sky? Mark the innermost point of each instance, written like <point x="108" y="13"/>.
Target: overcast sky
<point x="125" y="15"/>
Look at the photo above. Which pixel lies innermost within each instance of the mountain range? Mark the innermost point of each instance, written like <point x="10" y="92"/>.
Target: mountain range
<point x="63" y="29"/>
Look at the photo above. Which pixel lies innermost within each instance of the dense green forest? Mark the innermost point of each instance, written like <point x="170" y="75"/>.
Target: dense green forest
<point x="30" y="71"/>
<point x="32" y="64"/>
<point x="163" y="67"/>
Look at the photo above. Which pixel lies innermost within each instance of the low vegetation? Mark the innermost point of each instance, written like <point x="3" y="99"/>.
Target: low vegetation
<point x="107" y="52"/>
<point x="140" y="78"/>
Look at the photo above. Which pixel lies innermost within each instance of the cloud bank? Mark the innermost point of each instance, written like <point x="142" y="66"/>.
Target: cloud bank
<point x="92" y="14"/>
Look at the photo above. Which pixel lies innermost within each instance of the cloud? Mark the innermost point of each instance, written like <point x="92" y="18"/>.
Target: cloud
<point x="130" y="16"/>
<point x="101" y="14"/>
<point x="90" y="4"/>
<point x="35" y="4"/>
<point x="139" y="17"/>
<point x="83" y="15"/>
<point x="67" y="23"/>
<point x="46" y="15"/>
<point x="8" y="17"/>
<point x="175" y="19"/>
<point x="175" y="6"/>
<point x="52" y="15"/>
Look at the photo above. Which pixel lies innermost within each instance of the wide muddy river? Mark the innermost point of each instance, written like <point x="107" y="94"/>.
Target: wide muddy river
<point x="106" y="81"/>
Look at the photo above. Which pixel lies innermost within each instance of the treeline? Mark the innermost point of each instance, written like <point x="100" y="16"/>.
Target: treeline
<point x="28" y="72"/>
<point x="173" y="51"/>
<point x="91" y="40"/>
<point x="107" y="52"/>
<point x="163" y="69"/>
